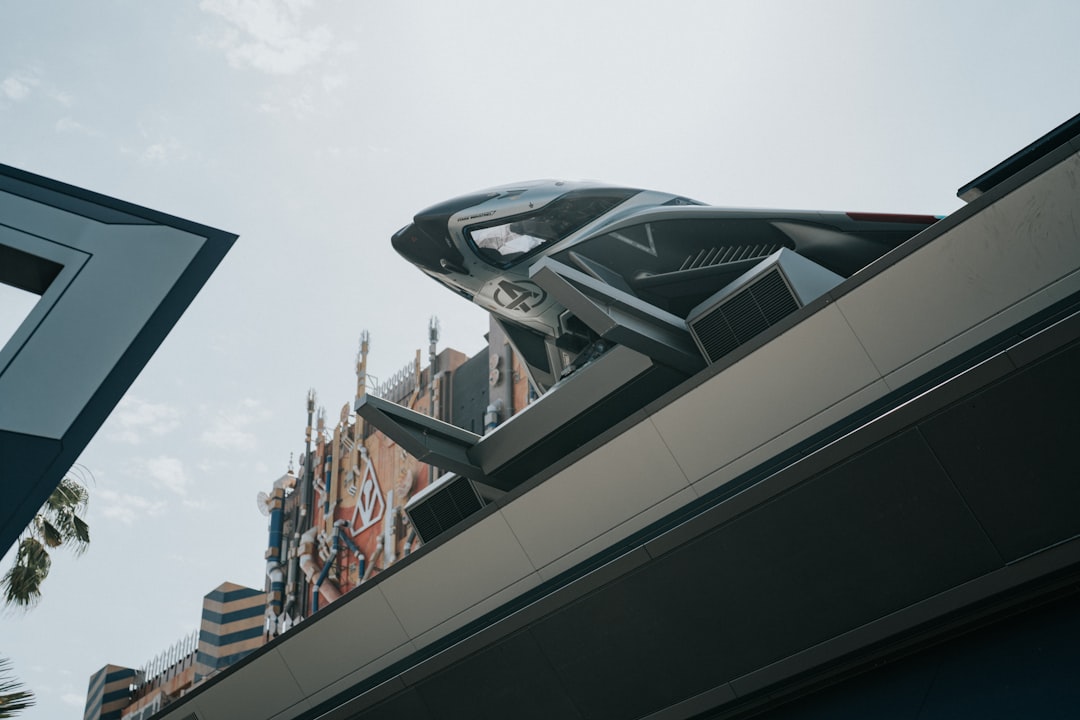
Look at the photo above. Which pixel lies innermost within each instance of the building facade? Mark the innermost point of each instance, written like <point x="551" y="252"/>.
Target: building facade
<point x="231" y="627"/>
<point x="339" y="519"/>
<point x="335" y="522"/>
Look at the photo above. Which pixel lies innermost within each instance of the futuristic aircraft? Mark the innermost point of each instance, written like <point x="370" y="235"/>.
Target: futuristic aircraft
<point x="658" y="254"/>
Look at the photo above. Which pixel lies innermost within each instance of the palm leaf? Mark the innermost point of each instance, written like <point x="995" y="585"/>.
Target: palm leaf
<point x="56" y="524"/>
<point x="82" y="533"/>
<point x="50" y="534"/>
<point x="21" y="587"/>
<point x="13" y="698"/>
<point x="21" y="584"/>
<point x="68" y="494"/>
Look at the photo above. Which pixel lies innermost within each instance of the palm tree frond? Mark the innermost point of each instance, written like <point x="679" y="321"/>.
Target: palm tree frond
<point x="82" y="534"/>
<point x="21" y="587"/>
<point x="69" y="493"/>
<point x="13" y="698"/>
<point x="56" y="524"/>
<point x="50" y="534"/>
<point x="32" y="553"/>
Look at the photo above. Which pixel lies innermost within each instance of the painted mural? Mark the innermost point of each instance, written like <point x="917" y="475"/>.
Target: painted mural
<point x="338" y="519"/>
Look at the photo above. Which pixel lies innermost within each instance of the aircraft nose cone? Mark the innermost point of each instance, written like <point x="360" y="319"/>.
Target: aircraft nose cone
<point x="437" y="255"/>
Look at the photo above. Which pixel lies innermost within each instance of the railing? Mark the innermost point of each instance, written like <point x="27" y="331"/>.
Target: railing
<point x="168" y="664"/>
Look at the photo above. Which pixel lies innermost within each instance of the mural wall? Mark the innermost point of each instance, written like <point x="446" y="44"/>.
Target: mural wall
<point x="338" y="518"/>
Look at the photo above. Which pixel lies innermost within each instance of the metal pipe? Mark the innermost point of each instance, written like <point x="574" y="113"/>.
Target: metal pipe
<point x="327" y="590"/>
<point x="374" y="560"/>
<point x="324" y="573"/>
<point x="341" y="525"/>
<point x="491" y="416"/>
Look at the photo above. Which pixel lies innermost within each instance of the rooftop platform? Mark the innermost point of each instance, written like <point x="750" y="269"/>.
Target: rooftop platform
<point x="768" y="528"/>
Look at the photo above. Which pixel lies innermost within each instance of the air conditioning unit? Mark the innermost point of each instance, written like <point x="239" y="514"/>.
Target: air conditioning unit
<point x="758" y="299"/>
<point x="445" y="503"/>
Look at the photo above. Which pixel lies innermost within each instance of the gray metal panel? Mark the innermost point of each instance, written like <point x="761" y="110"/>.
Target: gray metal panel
<point x="360" y="674"/>
<point x="619" y="316"/>
<point x="1020" y="244"/>
<point x="66" y="204"/>
<point x="1018" y="440"/>
<point x="70" y="261"/>
<point x="613" y="484"/>
<point x="618" y="533"/>
<point x="970" y="337"/>
<point x="1065" y="287"/>
<point x="454" y="576"/>
<point x="814" y="365"/>
<point x="519" y="683"/>
<point x="318" y="657"/>
<point x="425" y="438"/>
<point x="575" y="395"/>
<point x="261" y="688"/>
<point x="72" y="351"/>
<point x="790" y="438"/>
<point x="853" y="544"/>
<point x="478" y="610"/>
<point x="125" y="276"/>
<point x="585" y="583"/>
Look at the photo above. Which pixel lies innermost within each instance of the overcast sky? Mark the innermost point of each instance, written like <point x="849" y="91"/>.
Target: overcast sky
<point x="314" y="130"/>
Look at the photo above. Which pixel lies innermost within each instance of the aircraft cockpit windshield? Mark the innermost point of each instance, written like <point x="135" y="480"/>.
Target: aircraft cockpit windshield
<point x="504" y="242"/>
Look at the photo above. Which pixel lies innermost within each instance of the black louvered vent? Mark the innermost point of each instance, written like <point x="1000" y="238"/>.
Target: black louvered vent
<point x="744" y="314"/>
<point x="725" y="255"/>
<point x="445" y="508"/>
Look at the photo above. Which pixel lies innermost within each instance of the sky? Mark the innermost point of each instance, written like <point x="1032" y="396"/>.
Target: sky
<point x="315" y="129"/>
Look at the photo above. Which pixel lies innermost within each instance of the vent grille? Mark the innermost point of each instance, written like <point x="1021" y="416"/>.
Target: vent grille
<point x="445" y="508"/>
<point x="743" y="315"/>
<point x="711" y="257"/>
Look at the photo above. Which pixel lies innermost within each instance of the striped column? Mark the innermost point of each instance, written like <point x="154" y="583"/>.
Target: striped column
<point x="275" y="572"/>
<point x="232" y="626"/>
<point x="109" y="693"/>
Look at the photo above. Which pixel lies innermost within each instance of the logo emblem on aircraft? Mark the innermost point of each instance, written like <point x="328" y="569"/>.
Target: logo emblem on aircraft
<point x="520" y="296"/>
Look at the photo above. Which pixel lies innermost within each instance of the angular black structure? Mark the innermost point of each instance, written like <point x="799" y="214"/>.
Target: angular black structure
<point x="113" y="279"/>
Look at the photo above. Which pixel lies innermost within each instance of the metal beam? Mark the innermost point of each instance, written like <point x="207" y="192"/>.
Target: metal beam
<point x="619" y="316"/>
<point x="428" y="440"/>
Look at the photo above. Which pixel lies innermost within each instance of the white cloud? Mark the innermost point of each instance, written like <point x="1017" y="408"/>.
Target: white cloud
<point x="70" y="126"/>
<point x="134" y="419"/>
<point x="125" y="507"/>
<point x="233" y="430"/>
<point x="228" y="434"/>
<point x="67" y="125"/>
<point x="266" y="35"/>
<point x="163" y="152"/>
<point x="73" y="699"/>
<point x="168" y="472"/>
<point x="64" y="98"/>
<point x="17" y="86"/>
<point x="331" y="83"/>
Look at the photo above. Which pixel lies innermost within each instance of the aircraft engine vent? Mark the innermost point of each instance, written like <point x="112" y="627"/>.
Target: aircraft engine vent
<point x="443" y="505"/>
<point x="756" y="300"/>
